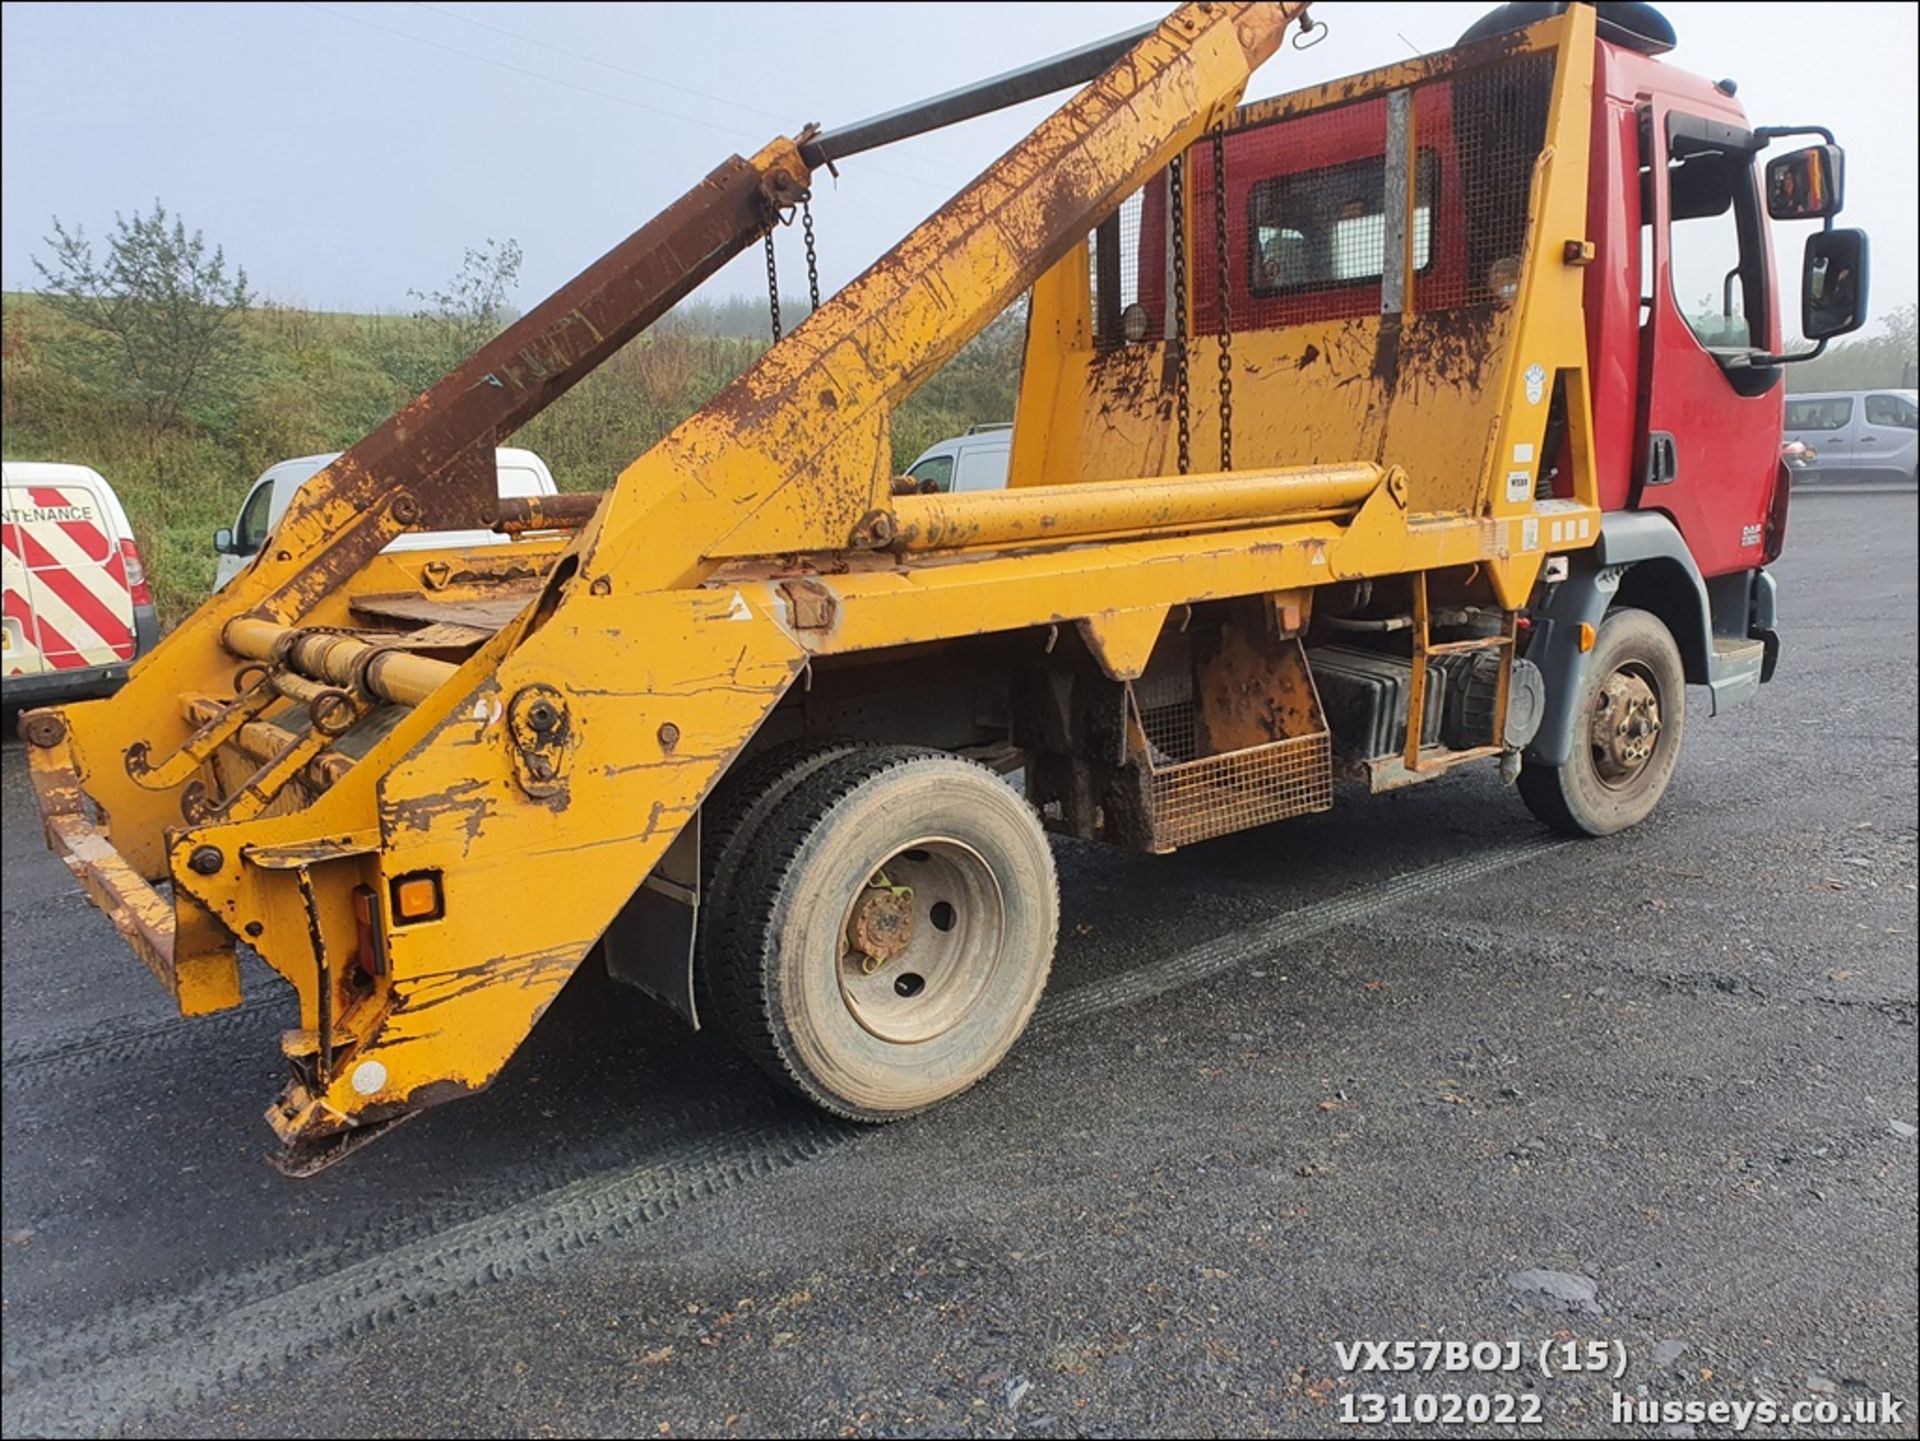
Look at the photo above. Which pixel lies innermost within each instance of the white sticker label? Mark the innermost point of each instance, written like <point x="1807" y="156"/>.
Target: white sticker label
<point x="1586" y="527"/>
<point x="1750" y="535"/>
<point x="739" y="610"/>
<point x="369" y="1078"/>
<point x="1523" y="454"/>
<point x="1554" y="532"/>
<point x="1519" y="485"/>
<point x="1529" y="534"/>
<point x="1536" y="379"/>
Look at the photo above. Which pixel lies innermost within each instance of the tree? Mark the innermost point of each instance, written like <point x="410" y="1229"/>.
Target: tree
<point x="473" y="307"/>
<point x="1887" y="359"/>
<point x="159" y="303"/>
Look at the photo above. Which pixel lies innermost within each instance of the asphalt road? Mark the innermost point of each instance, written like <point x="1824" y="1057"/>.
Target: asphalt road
<point x="1350" y="1078"/>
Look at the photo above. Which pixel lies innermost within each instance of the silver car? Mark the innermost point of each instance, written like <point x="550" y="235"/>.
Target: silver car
<point x="1857" y="434"/>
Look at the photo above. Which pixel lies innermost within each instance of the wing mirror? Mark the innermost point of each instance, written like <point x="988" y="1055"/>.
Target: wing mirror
<point x="1807" y="184"/>
<point x="1833" y="283"/>
<point x="223" y="541"/>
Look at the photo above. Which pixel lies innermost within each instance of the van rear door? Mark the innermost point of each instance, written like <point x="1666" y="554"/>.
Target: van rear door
<point x="76" y="575"/>
<point x="19" y="640"/>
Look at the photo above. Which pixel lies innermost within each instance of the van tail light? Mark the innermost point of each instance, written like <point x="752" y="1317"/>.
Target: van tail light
<point x="136" y="574"/>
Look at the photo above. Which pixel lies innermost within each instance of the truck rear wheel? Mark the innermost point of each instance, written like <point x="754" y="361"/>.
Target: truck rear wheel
<point x="1633" y="710"/>
<point x="895" y="925"/>
<point x="729" y="821"/>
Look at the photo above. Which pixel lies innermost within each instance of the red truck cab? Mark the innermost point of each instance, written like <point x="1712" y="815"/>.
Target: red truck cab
<point x="1682" y="306"/>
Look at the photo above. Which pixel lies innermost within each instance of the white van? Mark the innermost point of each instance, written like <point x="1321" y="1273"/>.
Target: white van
<point x="76" y="608"/>
<point x="1856" y="434"/>
<point x="522" y="473"/>
<point x="974" y="461"/>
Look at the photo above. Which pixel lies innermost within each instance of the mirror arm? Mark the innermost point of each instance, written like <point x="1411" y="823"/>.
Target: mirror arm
<point x="1762" y="362"/>
<point x="1766" y="133"/>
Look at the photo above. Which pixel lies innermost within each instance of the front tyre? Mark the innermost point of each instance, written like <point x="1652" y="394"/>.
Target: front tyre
<point x="1631" y="715"/>
<point x="899" y="913"/>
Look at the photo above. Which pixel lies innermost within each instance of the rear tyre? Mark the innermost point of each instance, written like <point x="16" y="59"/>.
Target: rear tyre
<point x="897" y="916"/>
<point x="739" y="806"/>
<point x="1630" y="717"/>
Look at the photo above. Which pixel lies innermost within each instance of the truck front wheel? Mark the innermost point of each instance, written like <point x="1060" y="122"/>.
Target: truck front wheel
<point x="1632" y="712"/>
<point x="894" y="927"/>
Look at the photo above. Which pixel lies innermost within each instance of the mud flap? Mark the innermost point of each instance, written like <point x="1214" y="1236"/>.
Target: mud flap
<point x="649" y="946"/>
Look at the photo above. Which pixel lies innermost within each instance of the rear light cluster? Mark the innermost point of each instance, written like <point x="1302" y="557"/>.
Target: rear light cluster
<point x="136" y="574"/>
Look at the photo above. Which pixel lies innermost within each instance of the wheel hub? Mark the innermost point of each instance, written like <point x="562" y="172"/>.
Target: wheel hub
<point x="1626" y="726"/>
<point x="923" y="941"/>
<point x="881" y="926"/>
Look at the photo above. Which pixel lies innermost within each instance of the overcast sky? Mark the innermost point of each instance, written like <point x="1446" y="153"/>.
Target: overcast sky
<point x="346" y="153"/>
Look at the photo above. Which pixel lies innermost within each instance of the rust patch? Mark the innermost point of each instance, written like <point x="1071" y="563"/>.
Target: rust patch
<point x="1452" y="346"/>
<point x="436" y="1093"/>
<point x="466" y="800"/>
<point x="812" y="605"/>
<point x="1128" y="378"/>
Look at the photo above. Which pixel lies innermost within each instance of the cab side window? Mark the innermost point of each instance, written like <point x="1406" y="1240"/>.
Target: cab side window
<point x="1716" y="264"/>
<point x="935" y="473"/>
<point x="251" y="531"/>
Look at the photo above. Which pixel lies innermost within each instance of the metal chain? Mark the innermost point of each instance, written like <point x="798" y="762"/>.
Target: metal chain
<point x="1223" y="295"/>
<point x="813" y="260"/>
<point x="1177" y="220"/>
<point x="773" y="286"/>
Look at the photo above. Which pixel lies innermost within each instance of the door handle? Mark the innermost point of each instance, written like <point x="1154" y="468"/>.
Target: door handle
<point x="1869" y="440"/>
<point x="1663" y="461"/>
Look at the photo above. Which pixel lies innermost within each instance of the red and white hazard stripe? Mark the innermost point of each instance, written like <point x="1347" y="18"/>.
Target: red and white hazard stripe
<point x="81" y="604"/>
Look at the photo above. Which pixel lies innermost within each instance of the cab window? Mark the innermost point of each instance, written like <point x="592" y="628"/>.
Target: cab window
<point x="1893" y="410"/>
<point x="1715" y="261"/>
<point x="1326" y="228"/>
<point x="250" y="533"/>
<point x="935" y="472"/>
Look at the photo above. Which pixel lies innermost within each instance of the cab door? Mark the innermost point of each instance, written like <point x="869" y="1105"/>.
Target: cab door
<point x="250" y="531"/>
<point x="1709" y="443"/>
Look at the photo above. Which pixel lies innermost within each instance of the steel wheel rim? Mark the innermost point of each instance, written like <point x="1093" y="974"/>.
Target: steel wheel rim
<point x="1626" y="727"/>
<point x="913" y="989"/>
